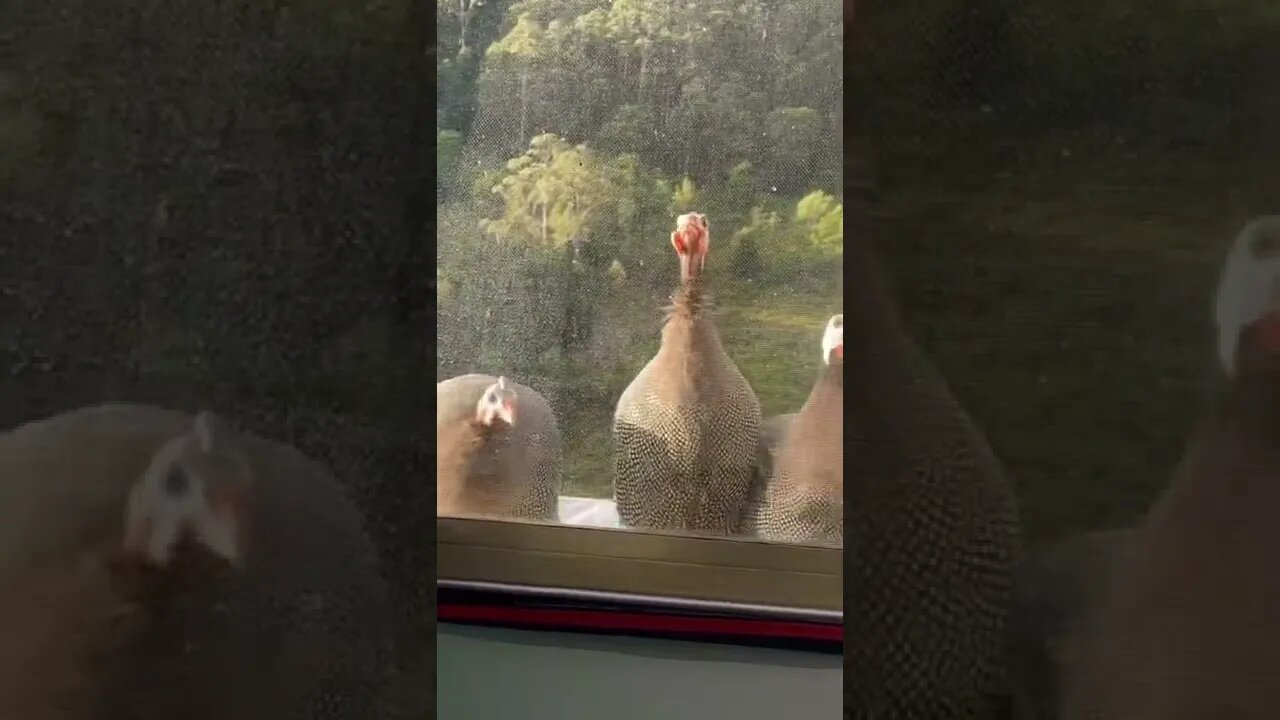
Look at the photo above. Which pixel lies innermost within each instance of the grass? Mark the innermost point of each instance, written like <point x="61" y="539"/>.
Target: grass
<point x="1068" y="304"/>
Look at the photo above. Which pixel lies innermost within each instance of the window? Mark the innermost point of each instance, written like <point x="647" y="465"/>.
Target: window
<point x="1074" y="198"/>
<point x="215" y="206"/>
<point x="572" y="134"/>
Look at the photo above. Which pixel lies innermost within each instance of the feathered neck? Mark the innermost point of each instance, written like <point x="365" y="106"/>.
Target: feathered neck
<point x="688" y="331"/>
<point x="832" y="377"/>
<point x="690" y="300"/>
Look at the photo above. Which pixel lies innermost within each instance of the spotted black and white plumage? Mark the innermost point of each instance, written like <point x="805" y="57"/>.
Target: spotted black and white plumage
<point x="686" y="430"/>
<point x="804" y="500"/>
<point x="498" y="449"/>
<point x="932" y="530"/>
<point x="1188" y="626"/>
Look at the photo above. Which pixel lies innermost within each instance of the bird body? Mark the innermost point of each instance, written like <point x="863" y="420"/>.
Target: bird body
<point x="1250" y="277"/>
<point x="1057" y="592"/>
<point x="282" y="616"/>
<point x="932" y="531"/>
<point x="686" y="430"/>
<point x="1189" y="626"/>
<point x="498" y="449"/>
<point x="804" y="500"/>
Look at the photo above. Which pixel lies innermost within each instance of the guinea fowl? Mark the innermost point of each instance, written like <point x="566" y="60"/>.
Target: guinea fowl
<point x="1056" y="595"/>
<point x="686" y="430"/>
<point x="1189" y="626"/>
<point x="804" y="501"/>
<point x="1250" y="275"/>
<point x="152" y="566"/>
<point x="932" y="531"/>
<point x="498" y="449"/>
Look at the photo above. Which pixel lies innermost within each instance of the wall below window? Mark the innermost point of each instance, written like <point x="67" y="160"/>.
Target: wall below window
<point x="499" y="673"/>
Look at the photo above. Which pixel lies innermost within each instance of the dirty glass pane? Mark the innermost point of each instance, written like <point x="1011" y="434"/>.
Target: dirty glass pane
<point x="571" y="137"/>
<point x="212" y="207"/>
<point x="1075" y="202"/>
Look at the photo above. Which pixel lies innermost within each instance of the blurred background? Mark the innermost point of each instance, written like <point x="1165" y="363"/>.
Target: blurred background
<point x="571" y="133"/>
<point x="1056" y="185"/>
<point x="224" y="205"/>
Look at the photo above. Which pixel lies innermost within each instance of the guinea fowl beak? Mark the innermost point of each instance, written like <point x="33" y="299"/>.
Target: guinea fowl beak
<point x="220" y="531"/>
<point x="508" y="413"/>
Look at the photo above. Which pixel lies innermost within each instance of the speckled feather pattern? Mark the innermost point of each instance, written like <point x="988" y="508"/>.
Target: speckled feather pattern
<point x="933" y="535"/>
<point x="686" y="431"/>
<point x="804" y="500"/>
<point x="513" y="472"/>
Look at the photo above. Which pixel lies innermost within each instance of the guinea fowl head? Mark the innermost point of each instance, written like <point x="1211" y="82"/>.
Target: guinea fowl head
<point x="691" y="240"/>
<point x="497" y="406"/>
<point x="1248" y="286"/>
<point x="194" y="495"/>
<point x="833" y="340"/>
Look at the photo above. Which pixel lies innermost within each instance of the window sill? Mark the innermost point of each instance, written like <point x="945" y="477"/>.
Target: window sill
<point x="711" y="569"/>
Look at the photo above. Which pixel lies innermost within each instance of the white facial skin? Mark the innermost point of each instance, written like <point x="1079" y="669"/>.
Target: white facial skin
<point x="1249" y="285"/>
<point x="833" y="338"/>
<point x="497" y="403"/>
<point x="179" y="495"/>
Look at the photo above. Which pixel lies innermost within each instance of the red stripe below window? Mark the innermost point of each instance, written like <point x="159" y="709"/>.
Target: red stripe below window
<point x="645" y="622"/>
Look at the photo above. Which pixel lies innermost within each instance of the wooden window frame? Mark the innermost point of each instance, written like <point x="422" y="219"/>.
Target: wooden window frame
<point x="740" y="571"/>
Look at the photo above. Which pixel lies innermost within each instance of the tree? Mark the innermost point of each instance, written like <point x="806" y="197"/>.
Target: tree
<point x="448" y="150"/>
<point x="552" y="196"/>
<point x="795" y="136"/>
<point x="685" y="197"/>
<point x="511" y="69"/>
<point x="821" y="218"/>
<point x="550" y="193"/>
<point x="690" y="89"/>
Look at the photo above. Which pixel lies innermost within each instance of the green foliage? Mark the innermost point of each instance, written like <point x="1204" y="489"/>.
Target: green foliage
<point x="685" y="197"/>
<point x="547" y="11"/>
<point x="617" y="274"/>
<point x="629" y="130"/>
<point x="594" y="124"/>
<point x="464" y="28"/>
<point x="448" y="150"/>
<point x="685" y="88"/>
<point x="550" y="193"/>
<point x="821" y="218"/>
<point x="814" y="206"/>
<point x="795" y="137"/>
<point x="827" y="234"/>
<point x="524" y="40"/>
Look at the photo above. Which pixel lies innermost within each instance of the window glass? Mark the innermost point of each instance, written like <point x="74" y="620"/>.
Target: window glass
<point x="1077" y="205"/>
<point x="1063" y="189"/>
<point x="573" y="137"/>
<point x="214" y="207"/>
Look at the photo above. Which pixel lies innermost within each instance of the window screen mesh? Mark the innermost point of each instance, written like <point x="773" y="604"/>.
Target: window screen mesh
<point x="211" y="205"/>
<point x="1057" y="185"/>
<point x="571" y="135"/>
